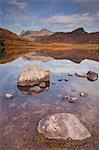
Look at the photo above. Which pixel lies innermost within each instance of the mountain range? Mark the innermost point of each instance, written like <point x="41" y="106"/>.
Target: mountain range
<point x="76" y="36"/>
<point x="32" y="35"/>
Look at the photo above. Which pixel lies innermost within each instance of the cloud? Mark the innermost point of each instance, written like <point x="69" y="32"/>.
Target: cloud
<point x="18" y="4"/>
<point x="74" y="19"/>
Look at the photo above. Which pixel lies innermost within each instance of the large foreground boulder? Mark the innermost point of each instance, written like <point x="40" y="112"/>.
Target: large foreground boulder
<point x="63" y="126"/>
<point x="34" y="79"/>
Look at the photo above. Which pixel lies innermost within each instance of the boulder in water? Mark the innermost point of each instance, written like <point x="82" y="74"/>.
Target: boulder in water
<point x="34" y="79"/>
<point x="63" y="126"/>
<point x="92" y="76"/>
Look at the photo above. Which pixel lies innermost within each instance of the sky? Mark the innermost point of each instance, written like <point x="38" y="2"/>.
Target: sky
<point x="55" y="15"/>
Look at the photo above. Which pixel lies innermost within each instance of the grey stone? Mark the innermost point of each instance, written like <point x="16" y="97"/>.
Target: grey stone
<point x="71" y="98"/>
<point x="82" y="94"/>
<point x="66" y="79"/>
<point x="9" y="95"/>
<point x="63" y="126"/>
<point x="92" y="76"/>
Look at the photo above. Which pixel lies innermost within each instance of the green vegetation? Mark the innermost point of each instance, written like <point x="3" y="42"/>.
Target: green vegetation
<point x="2" y="47"/>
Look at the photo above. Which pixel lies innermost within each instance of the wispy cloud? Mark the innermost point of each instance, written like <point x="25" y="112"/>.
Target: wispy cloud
<point x="18" y="4"/>
<point x="21" y="5"/>
<point x="74" y="19"/>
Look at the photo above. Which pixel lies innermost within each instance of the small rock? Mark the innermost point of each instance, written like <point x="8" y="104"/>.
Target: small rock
<point x="69" y="74"/>
<point x="9" y="95"/>
<point x="92" y="76"/>
<point x="71" y="98"/>
<point x="60" y="79"/>
<point x="42" y="85"/>
<point x="53" y="83"/>
<point x="35" y="89"/>
<point x="59" y="95"/>
<point x="82" y="94"/>
<point x="62" y="126"/>
<point x="73" y="90"/>
<point x="66" y="79"/>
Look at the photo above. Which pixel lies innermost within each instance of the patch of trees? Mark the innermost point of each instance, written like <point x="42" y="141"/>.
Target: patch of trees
<point x="2" y="47"/>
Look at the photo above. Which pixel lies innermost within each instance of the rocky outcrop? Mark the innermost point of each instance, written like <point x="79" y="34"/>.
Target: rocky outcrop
<point x="63" y="126"/>
<point x="34" y="79"/>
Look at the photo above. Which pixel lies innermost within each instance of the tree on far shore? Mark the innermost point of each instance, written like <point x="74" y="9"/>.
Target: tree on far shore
<point x="2" y="47"/>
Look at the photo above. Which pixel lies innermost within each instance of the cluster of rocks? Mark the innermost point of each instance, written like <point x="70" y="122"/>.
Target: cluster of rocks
<point x="73" y="98"/>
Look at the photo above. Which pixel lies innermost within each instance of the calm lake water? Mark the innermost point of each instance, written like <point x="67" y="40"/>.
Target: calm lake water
<point x="20" y="115"/>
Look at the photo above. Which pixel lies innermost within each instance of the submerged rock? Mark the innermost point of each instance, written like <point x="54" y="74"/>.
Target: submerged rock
<point x="60" y="79"/>
<point x="92" y="76"/>
<point x="34" y="79"/>
<point x="35" y="89"/>
<point x="82" y="94"/>
<point x="69" y="74"/>
<point x="53" y="83"/>
<point x="66" y="79"/>
<point x="63" y="126"/>
<point x="71" y="98"/>
<point x="9" y="95"/>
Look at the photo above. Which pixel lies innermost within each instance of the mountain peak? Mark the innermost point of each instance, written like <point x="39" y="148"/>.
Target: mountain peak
<point x="79" y="31"/>
<point x="45" y="31"/>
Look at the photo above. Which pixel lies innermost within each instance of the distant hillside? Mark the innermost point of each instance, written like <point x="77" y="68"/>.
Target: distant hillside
<point x="31" y="35"/>
<point x="11" y="37"/>
<point x="77" y="36"/>
<point x="8" y="34"/>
